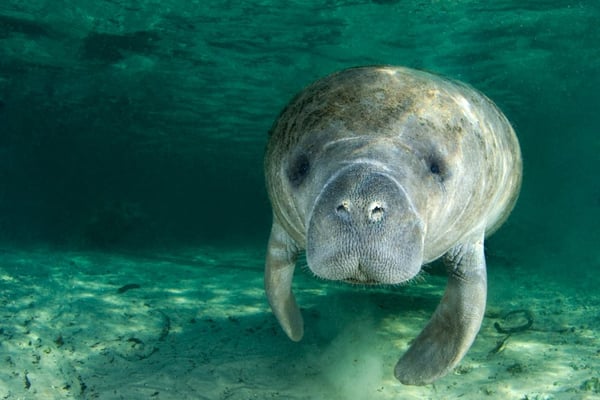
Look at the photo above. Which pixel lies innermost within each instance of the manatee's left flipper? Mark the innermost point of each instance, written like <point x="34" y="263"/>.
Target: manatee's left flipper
<point x="279" y="271"/>
<point x="456" y="321"/>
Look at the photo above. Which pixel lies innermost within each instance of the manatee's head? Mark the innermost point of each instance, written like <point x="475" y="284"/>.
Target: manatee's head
<point x="363" y="228"/>
<point x="343" y="167"/>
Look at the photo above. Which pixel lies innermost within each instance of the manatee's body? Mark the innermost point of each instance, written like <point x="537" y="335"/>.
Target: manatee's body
<point x="378" y="170"/>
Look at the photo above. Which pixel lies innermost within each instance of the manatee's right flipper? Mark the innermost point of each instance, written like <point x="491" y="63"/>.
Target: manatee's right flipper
<point x="456" y="321"/>
<point x="279" y="271"/>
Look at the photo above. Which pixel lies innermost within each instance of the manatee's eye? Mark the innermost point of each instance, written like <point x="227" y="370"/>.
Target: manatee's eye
<point x="437" y="167"/>
<point x="298" y="170"/>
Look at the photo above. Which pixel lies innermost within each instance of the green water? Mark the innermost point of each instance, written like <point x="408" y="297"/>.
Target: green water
<point x="163" y="107"/>
<point x="135" y="125"/>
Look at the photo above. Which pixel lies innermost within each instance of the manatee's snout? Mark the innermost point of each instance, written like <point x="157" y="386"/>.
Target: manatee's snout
<point x="364" y="229"/>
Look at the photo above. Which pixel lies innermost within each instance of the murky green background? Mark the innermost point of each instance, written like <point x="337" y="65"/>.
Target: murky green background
<point x="136" y="123"/>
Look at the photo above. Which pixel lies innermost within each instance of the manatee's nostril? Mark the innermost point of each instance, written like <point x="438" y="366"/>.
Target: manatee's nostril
<point x="343" y="208"/>
<point x="376" y="211"/>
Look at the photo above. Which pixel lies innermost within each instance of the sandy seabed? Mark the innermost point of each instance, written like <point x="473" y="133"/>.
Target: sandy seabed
<point x="195" y="325"/>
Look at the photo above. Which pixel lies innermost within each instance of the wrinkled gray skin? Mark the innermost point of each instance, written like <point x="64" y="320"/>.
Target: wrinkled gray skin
<point x="376" y="171"/>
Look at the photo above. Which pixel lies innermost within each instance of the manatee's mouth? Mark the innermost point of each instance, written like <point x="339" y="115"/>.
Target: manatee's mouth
<point x="354" y="281"/>
<point x="360" y="277"/>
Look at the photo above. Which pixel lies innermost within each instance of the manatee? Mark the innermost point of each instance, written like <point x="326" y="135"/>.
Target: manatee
<point x="376" y="171"/>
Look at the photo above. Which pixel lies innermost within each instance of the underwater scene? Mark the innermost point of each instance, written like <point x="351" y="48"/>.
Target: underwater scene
<point x="136" y="220"/>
